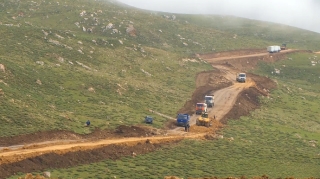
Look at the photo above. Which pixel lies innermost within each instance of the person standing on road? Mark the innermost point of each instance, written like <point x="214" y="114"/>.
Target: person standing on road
<point x="188" y="127"/>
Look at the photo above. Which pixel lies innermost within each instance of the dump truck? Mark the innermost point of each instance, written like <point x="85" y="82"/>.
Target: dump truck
<point x="209" y="100"/>
<point x="183" y="119"/>
<point x="241" y="77"/>
<point x="201" y="107"/>
<point x="273" y="49"/>
<point x="204" y="120"/>
<point x="284" y="47"/>
<point x="148" y="119"/>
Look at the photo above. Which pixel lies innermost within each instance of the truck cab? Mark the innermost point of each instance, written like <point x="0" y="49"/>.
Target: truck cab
<point x="201" y="107"/>
<point x="183" y="119"/>
<point x="209" y="100"/>
<point x="241" y="77"/>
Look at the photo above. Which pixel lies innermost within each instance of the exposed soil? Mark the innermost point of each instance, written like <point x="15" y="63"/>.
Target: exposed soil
<point x="247" y="101"/>
<point x="232" y="100"/>
<point x="38" y="137"/>
<point x="206" y="83"/>
<point x="54" y="160"/>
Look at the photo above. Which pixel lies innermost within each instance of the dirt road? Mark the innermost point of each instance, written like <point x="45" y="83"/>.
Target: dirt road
<point x="8" y="156"/>
<point x="220" y="82"/>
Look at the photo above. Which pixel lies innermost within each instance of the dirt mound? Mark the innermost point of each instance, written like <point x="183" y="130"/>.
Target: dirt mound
<point x="38" y="137"/>
<point x="216" y="125"/>
<point x="206" y="83"/>
<point x="53" y="160"/>
<point x="247" y="101"/>
<point x="134" y="131"/>
<point x="262" y="82"/>
<point x="42" y="136"/>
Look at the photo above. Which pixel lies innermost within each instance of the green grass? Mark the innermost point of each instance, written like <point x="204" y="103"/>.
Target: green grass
<point x="273" y="140"/>
<point x="47" y="78"/>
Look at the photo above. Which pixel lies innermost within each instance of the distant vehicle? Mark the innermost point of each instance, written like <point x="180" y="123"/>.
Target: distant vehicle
<point x="148" y="119"/>
<point x="274" y="49"/>
<point x="284" y="47"/>
<point x="201" y="107"/>
<point x="183" y="119"/>
<point x="241" y="77"/>
<point x="209" y="100"/>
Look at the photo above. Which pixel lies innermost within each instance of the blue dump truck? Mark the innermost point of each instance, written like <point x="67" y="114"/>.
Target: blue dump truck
<point x="183" y="119"/>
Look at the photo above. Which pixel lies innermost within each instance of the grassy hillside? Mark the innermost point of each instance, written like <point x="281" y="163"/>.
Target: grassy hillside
<point x="281" y="139"/>
<point x="67" y="62"/>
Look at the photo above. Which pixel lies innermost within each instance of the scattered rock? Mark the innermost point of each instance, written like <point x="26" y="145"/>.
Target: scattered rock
<point x="131" y="30"/>
<point x="2" y="68"/>
<point x="40" y="62"/>
<point x="47" y="174"/>
<point x="39" y="82"/>
<point x="109" y="26"/>
<point x="91" y="89"/>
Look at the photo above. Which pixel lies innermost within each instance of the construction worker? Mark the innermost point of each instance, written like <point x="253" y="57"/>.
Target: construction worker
<point x="188" y="127"/>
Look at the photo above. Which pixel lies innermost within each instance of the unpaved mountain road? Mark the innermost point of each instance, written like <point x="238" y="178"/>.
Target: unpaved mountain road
<point x="225" y="98"/>
<point x="10" y="156"/>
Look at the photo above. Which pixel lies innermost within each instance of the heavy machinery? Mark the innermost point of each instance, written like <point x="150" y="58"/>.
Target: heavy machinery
<point x="201" y="107"/>
<point x="284" y="47"/>
<point x="148" y="119"/>
<point x="204" y="120"/>
<point x="209" y="100"/>
<point x="241" y="77"/>
<point x="183" y="119"/>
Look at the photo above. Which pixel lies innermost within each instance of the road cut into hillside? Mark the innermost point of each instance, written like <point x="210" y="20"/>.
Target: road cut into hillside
<point x="9" y="156"/>
<point x="221" y="82"/>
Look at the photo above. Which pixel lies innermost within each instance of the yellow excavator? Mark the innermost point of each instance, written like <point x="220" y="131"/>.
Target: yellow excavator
<point x="204" y="120"/>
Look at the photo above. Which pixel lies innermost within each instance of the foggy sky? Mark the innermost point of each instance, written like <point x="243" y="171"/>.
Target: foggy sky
<point x="304" y="14"/>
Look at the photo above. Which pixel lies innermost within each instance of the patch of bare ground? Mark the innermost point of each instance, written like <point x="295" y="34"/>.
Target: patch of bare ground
<point x="74" y="158"/>
<point x="42" y="136"/>
<point x="248" y="100"/>
<point x="206" y="83"/>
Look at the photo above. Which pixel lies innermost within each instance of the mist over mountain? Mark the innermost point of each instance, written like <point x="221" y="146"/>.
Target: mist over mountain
<point x="297" y="13"/>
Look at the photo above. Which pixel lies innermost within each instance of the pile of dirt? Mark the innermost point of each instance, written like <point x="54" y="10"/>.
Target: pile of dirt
<point x="56" y="135"/>
<point x="39" y="137"/>
<point x="136" y="131"/>
<point x="54" y="160"/>
<point x="247" y="101"/>
<point x="216" y="125"/>
<point x="263" y="83"/>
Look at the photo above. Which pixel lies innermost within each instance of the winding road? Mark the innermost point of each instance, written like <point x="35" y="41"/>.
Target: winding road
<point x="224" y="101"/>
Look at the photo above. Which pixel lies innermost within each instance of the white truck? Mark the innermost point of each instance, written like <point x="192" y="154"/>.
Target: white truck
<point x="273" y="49"/>
<point x="209" y="100"/>
<point x="241" y="77"/>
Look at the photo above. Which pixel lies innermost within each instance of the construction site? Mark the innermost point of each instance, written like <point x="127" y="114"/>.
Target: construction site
<point x="232" y="99"/>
